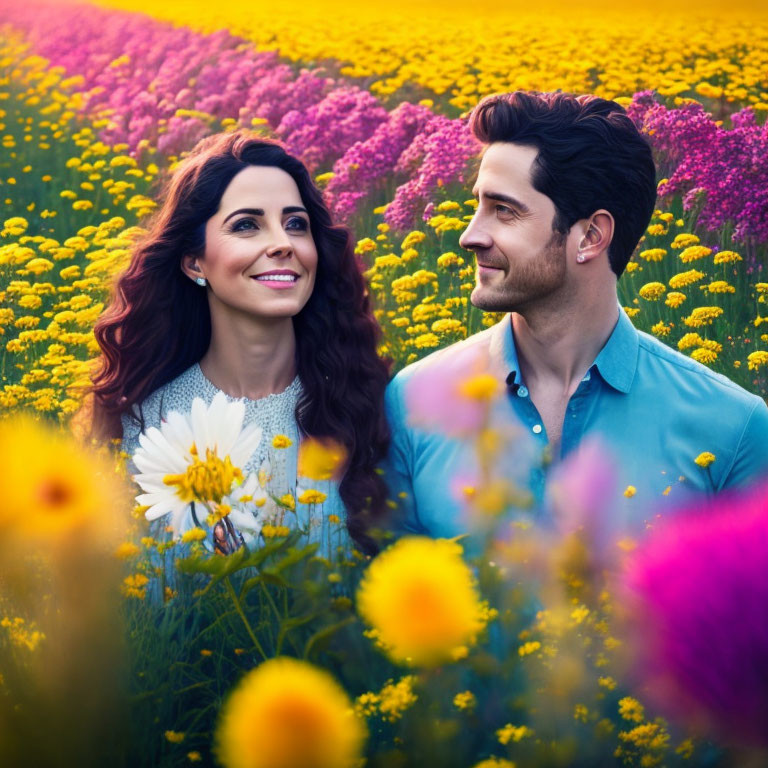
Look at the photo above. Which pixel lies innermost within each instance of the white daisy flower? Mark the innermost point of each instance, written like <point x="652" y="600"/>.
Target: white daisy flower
<point x="194" y="457"/>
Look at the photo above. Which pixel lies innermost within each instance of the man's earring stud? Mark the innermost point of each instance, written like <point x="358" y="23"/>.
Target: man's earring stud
<point x="201" y="281"/>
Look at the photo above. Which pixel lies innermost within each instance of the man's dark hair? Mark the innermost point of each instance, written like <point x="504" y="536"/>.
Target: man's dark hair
<point x="590" y="156"/>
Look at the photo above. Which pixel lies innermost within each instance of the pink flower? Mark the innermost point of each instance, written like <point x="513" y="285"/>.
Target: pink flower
<point x="435" y="395"/>
<point x="697" y="596"/>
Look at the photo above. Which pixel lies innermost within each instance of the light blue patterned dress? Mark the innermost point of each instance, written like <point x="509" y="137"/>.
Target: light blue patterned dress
<point x="275" y="414"/>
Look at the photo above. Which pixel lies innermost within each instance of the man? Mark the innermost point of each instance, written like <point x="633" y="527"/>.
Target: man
<point x="565" y="190"/>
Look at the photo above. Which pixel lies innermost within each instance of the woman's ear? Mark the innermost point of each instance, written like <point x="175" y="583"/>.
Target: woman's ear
<point x="190" y="267"/>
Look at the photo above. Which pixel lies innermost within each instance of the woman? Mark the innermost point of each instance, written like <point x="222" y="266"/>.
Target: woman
<point x="244" y="286"/>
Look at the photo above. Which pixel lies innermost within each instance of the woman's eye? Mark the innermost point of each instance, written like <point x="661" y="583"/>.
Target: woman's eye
<point x="240" y="226"/>
<point x="297" y="223"/>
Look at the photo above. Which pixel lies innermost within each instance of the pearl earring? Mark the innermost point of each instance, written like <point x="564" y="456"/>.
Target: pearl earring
<point x="580" y="258"/>
<point x="201" y="281"/>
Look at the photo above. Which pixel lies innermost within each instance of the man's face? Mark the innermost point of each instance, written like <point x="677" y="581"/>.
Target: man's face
<point x="520" y="260"/>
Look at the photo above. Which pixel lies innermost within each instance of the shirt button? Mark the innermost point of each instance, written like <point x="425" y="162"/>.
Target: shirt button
<point x="522" y="392"/>
<point x="536" y="428"/>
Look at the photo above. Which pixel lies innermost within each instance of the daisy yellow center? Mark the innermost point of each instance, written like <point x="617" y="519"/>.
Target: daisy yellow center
<point x="205" y="480"/>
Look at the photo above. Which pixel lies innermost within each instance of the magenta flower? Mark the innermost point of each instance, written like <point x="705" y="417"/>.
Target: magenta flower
<point x="697" y="597"/>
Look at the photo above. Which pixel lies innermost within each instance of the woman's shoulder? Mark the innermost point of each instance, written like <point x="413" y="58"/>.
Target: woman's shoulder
<point x="175" y="395"/>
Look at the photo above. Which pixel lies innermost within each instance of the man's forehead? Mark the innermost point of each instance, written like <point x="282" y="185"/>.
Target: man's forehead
<point x="505" y="168"/>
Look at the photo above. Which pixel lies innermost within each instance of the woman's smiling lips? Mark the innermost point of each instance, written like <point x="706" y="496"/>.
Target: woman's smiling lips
<point x="280" y="279"/>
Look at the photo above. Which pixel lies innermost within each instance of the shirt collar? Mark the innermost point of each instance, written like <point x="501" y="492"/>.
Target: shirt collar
<point x="616" y="362"/>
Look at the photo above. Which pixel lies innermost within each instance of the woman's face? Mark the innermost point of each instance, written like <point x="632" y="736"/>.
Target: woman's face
<point x="260" y="256"/>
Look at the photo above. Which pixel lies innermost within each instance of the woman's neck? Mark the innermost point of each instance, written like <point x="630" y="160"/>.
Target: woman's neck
<point x="250" y="358"/>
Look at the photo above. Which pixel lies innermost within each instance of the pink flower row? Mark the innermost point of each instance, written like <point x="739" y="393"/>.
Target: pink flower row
<point x="142" y="71"/>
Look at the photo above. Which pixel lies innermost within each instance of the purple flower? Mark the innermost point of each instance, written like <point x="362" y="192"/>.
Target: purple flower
<point x="697" y="596"/>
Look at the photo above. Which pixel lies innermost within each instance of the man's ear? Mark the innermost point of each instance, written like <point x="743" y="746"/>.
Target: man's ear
<point x="597" y="237"/>
<point x="190" y="266"/>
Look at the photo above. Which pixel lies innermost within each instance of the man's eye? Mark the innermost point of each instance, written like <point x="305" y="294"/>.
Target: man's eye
<point x="505" y="211"/>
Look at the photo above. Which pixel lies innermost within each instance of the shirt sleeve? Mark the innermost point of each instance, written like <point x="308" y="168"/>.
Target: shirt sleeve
<point x="750" y="463"/>
<point x="398" y="465"/>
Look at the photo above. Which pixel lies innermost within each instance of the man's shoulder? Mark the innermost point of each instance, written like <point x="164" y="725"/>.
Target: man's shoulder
<point x="694" y="377"/>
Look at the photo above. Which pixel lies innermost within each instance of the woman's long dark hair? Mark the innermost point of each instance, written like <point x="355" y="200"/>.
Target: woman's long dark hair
<point x="158" y="323"/>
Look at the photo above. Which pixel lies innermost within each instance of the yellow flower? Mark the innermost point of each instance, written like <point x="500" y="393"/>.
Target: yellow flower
<point x="288" y="714"/>
<point x="175" y="737"/>
<point x="704" y="355"/>
<point x="694" y="253"/>
<point x="756" y="360"/>
<point x="395" y="698"/>
<point x="494" y="762"/>
<point x="334" y="519"/>
<point x="632" y="266"/>
<point x="630" y="491"/>
<point x="312" y="496"/>
<point x="58" y="487"/>
<point x="449" y="259"/>
<point x="674" y="299"/>
<point x="631" y="709"/>
<point x="465" y="701"/>
<point x="704" y="459"/>
<point x="482" y="387"/>
<point x="273" y="531"/>
<point x="208" y="480"/>
<point x="683" y="240"/>
<point x="287" y="501"/>
<point x="366" y="245"/>
<point x="719" y="286"/>
<point x="653" y="254"/>
<point x="194" y="757"/>
<point x="513" y="733"/>
<point x="127" y="550"/>
<point x="657" y="229"/>
<point x="683" y="279"/>
<point x="652" y="291"/>
<point x="420" y="597"/>
<point x="281" y="441"/>
<point x="702" y="316"/>
<point x="321" y="459"/>
<point x="526" y="649"/>
<point x="661" y="329"/>
<point x="193" y="534"/>
<point x="726" y="257"/>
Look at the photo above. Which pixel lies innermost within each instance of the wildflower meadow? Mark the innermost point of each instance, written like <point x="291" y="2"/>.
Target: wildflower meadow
<point x="124" y="641"/>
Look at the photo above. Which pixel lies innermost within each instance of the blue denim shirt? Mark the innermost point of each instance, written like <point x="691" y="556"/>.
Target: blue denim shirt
<point x="653" y="409"/>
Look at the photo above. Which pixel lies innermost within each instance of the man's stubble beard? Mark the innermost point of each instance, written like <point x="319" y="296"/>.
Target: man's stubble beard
<point x="539" y="281"/>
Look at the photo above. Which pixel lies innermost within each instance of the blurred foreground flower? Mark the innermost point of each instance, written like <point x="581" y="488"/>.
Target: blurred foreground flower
<point x="454" y="397"/>
<point x="198" y="457"/>
<point x="420" y="598"/>
<point x="321" y="459"/>
<point x="697" y="602"/>
<point x="288" y="714"/>
<point x="53" y="489"/>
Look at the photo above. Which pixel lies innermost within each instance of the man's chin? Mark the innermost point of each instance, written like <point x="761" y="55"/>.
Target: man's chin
<point x="489" y="300"/>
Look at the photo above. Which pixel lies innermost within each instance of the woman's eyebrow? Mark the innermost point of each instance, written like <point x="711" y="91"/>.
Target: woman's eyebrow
<point x="260" y="211"/>
<point x="254" y="211"/>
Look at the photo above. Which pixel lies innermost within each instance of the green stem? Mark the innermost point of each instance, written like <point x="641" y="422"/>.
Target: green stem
<point x="239" y="609"/>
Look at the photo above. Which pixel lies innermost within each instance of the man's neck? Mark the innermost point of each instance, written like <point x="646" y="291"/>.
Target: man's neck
<point x="556" y="348"/>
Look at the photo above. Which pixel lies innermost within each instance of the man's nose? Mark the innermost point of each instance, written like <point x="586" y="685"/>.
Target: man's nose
<point x="474" y="237"/>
